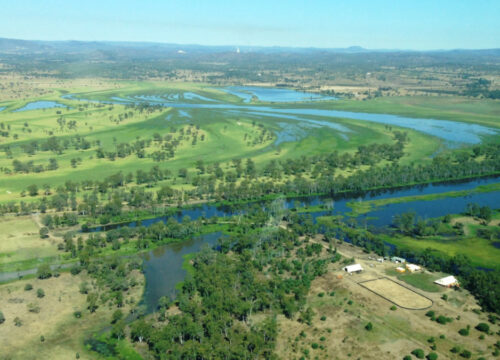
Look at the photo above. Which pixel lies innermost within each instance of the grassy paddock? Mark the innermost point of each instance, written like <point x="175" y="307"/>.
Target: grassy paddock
<point x="63" y="333"/>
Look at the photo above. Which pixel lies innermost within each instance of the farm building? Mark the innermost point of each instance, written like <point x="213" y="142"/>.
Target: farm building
<point x="398" y="260"/>
<point x="356" y="268"/>
<point x="448" y="281"/>
<point x="400" y="269"/>
<point x="413" y="267"/>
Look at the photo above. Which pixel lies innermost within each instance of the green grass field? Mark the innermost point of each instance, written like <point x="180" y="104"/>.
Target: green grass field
<point x="226" y="136"/>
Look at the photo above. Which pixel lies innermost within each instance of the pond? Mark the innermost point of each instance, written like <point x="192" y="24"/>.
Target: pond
<point x="163" y="267"/>
<point x="38" y="105"/>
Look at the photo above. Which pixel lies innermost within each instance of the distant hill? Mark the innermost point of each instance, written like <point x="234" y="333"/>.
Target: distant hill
<point x="144" y="59"/>
<point x="16" y="46"/>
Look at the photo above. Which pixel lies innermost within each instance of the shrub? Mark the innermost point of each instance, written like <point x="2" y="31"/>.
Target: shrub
<point x="394" y="308"/>
<point x="369" y="326"/>
<point x="40" y="293"/>
<point x="430" y="313"/>
<point x="321" y="294"/>
<point x="419" y="353"/>
<point x="323" y="318"/>
<point x="464" y="332"/>
<point x="483" y="327"/>
<point x="34" y="308"/>
<point x="455" y="350"/>
<point x="77" y="314"/>
<point x="2" y="318"/>
<point x="466" y="354"/>
<point x="443" y="320"/>
<point x="407" y="357"/>
<point x="75" y="270"/>
<point x="28" y="287"/>
<point x="17" y="321"/>
<point x="444" y="297"/>
<point x="314" y="345"/>
<point x="332" y="293"/>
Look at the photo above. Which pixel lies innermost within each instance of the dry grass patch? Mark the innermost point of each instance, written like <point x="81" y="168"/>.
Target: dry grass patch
<point x="63" y="333"/>
<point x="397" y="294"/>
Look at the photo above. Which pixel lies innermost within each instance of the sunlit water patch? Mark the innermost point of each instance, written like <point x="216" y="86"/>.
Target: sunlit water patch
<point x="193" y="96"/>
<point x="273" y="94"/>
<point x="38" y="105"/>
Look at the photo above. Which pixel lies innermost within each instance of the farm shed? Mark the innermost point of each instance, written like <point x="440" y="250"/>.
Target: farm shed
<point x="448" y="281"/>
<point x="413" y="267"/>
<point x="353" y="268"/>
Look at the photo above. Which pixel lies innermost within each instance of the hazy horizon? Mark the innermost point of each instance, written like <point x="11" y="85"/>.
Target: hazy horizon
<point x="379" y="24"/>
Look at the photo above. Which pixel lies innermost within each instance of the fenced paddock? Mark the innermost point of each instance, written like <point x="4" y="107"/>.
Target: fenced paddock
<point x="397" y="294"/>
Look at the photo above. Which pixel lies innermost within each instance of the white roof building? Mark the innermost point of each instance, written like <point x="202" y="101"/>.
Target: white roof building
<point x="447" y="281"/>
<point x="413" y="267"/>
<point x="353" y="268"/>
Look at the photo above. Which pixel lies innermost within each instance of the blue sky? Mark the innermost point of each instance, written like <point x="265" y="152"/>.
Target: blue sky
<point x="376" y="24"/>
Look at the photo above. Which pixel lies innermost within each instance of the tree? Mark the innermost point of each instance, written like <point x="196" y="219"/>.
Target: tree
<point x="2" y="318"/>
<point x="369" y="326"/>
<point x="44" y="271"/>
<point x="118" y="330"/>
<point x="419" y="353"/>
<point x="140" y="330"/>
<point x="432" y="356"/>
<point x="33" y="190"/>
<point x="483" y="327"/>
<point x="485" y="213"/>
<point x="117" y="316"/>
<point x="44" y="232"/>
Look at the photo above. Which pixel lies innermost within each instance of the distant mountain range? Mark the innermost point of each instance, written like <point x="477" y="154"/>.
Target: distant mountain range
<point x="24" y="47"/>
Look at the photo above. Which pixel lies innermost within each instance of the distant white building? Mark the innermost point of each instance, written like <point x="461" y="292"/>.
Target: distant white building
<point x="448" y="281"/>
<point x="353" y="268"/>
<point x="413" y="267"/>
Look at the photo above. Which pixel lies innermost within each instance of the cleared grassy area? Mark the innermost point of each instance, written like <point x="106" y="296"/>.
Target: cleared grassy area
<point x="20" y="242"/>
<point x="419" y="280"/>
<point x="481" y="252"/>
<point x="480" y="111"/>
<point x="63" y="333"/>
